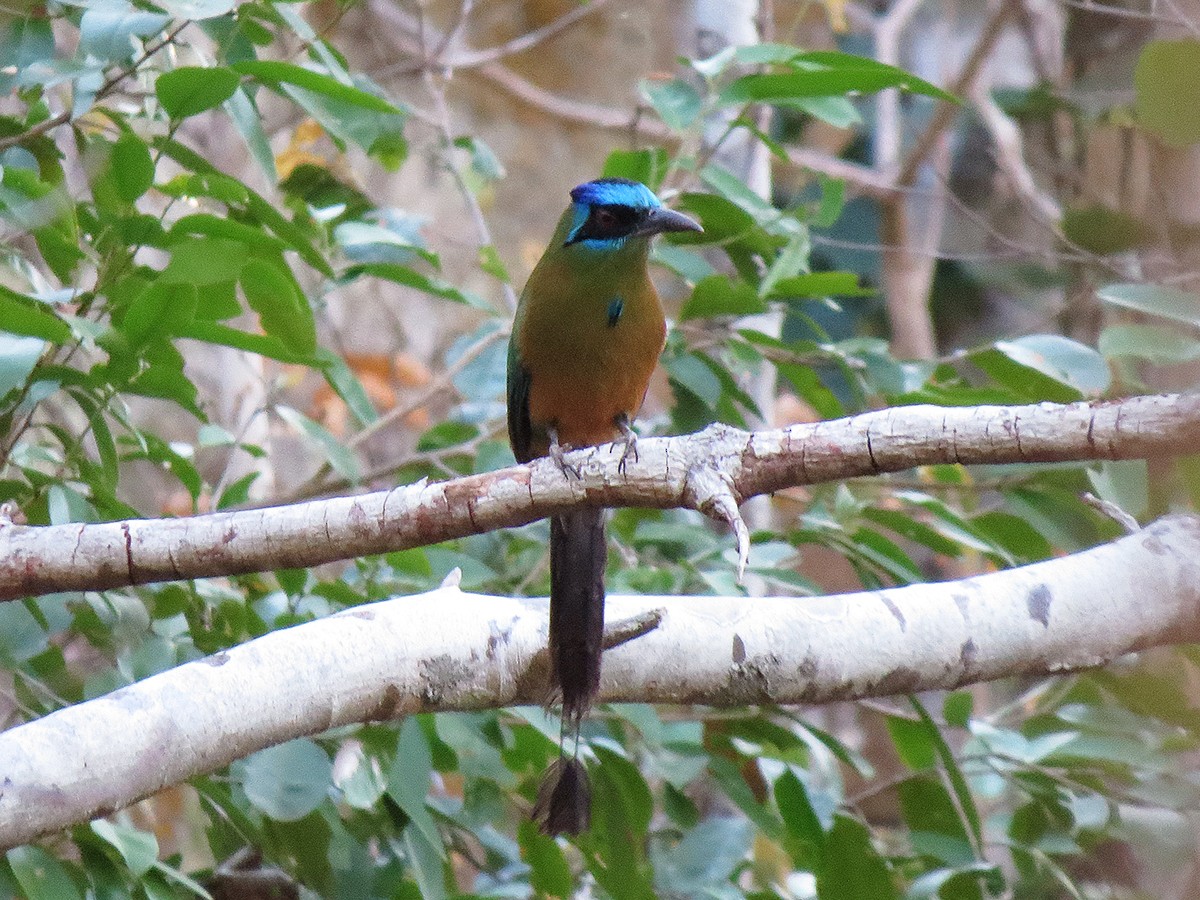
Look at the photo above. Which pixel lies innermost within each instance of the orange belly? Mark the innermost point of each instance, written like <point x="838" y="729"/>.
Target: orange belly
<point x="584" y="406"/>
<point x="584" y="373"/>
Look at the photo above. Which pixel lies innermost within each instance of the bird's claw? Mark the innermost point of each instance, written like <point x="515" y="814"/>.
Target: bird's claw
<point x="628" y="439"/>
<point x="558" y="455"/>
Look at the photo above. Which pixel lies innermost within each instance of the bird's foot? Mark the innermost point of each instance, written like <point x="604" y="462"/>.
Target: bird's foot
<point x="558" y="455"/>
<point x="628" y="438"/>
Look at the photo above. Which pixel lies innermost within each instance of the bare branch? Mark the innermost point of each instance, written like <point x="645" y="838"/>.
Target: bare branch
<point x="529" y="40"/>
<point x="42" y="559"/>
<point x="446" y="650"/>
<point x="946" y="111"/>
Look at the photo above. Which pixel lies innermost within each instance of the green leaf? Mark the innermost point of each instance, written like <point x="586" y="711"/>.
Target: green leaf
<point x="703" y="862"/>
<point x="162" y="310"/>
<point x="851" y="868"/>
<point x="1044" y="367"/>
<point x="246" y="118"/>
<point x="190" y="90"/>
<point x="1158" y="344"/>
<point x="106" y="29"/>
<point x="347" y="386"/>
<point x="828" y="75"/>
<point x="427" y="284"/>
<point x="1013" y="535"/>
<point x="340" y="457"/>
<point x="962" y="793"/>
<point x="289" y="781"/>
<point x="676" y="102"/>
<point x="720" y="295"/>
<point x="274" y="72"/>
<point x="18" y="357"/>
<point x="821" y="284"/>
<point x="1157" y="300"/>
<point x="24" y="315"/>
<point x="197" y="10"/>
<point x="833" y="201"/>
<point x="139" y="849"/>
<point x="723" y="220"/>
<point x="647" y="166"/>
<point x="621" y="808"/>
<point x="282" y="309"/>
<point x="408" y="779"/>
<point x="935" y="828"/>
<point x="887" y="555"/>
<point x="133" y="169"/>
<point x="1167" y="72"/>
<point x="1103" y="231"/>
<point x="840" y="112"/>
<point x="491" y="263"/>
<point x="912" y="742"/>
<point x="549" y="874"/>
<point x="262" y="344"/>
<point x="766" y="53"/>
<point x="427" y="860"/>
<point x="806" y="837"/>
<point x="958" y="707"/>
<point x="203" y="261"/>
<point x="959" y="883"/>
<point x="41" y="876"/>
<point x="228" y="229"/>
<point x="289" y="231"/>
<point x="689" y="371"/>
<point x="1062" y="359"/>
<point x="484" y="161"/>
<point x="25" y="41"/>
<point x="1125" y="482"/>
<point x="914" y="530"/>
<point x="791" y="260"/>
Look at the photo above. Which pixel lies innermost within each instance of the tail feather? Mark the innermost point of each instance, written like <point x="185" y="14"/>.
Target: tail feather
<point x="564" y="801"/>
<point x="577" y="557"/>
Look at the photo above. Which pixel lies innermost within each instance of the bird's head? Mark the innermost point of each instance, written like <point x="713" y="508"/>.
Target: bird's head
<point x="607" y="213"/>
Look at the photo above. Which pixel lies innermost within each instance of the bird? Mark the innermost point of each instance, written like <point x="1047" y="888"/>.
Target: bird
<point x="587" y="334"/>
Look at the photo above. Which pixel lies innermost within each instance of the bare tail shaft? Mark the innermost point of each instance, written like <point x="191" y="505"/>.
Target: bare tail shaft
<point x="577" y="557"/>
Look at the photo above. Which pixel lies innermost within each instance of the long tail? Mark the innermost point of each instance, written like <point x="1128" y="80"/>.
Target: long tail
<point x="577" y="556"/>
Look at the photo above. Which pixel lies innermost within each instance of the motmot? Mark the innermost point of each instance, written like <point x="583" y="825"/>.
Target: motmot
<point x="586" y="337"/>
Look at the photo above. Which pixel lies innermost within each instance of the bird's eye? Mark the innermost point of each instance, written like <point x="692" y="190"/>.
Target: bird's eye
<point x="606" y="219"/>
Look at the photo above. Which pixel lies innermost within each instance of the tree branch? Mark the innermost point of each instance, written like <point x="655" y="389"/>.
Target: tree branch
<point x="711" y="471"/>
<point x="446" y="650"/>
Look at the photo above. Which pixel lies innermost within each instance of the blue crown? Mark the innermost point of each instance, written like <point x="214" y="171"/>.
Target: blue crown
<point x="615" y="192"/>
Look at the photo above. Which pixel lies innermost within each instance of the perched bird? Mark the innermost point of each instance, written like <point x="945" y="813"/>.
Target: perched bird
<point x="588" y="332"/>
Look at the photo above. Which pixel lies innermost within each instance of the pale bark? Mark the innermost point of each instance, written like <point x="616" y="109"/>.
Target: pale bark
<point x="712" y="471"/>
<point x="447" y="650"/>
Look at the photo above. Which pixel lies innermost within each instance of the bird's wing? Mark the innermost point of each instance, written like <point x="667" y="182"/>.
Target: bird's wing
<point x="520" y="431"/>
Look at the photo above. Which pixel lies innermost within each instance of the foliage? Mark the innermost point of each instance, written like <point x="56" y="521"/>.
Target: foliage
<point x="111" y="281"/>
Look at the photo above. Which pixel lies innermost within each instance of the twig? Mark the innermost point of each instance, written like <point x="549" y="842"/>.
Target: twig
<point x="105" y="89"/>
<point x="888" y="31"/>
<point x="626" y="630"/>
<point x="437" y="93"/>
<point x="1010" y="154"/>
<point x="946" y="110"/>
<point x="1114" y="512"/>
<point x="432" y="389"/>
<point x="471" y="58"/>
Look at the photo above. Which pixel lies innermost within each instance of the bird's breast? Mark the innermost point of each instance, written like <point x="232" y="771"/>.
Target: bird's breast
<point x="590" y="357"/>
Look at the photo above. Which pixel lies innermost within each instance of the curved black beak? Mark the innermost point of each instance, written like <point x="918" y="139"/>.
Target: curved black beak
<point x="662" y="219"/>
